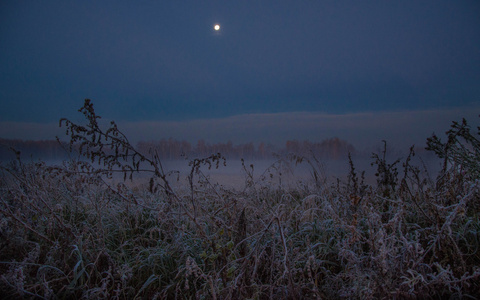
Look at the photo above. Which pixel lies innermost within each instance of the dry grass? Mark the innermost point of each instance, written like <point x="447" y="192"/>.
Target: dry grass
<point x="68" y="233"/>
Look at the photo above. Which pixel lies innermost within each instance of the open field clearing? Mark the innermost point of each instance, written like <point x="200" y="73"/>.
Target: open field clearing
<point x="73" y="232"/>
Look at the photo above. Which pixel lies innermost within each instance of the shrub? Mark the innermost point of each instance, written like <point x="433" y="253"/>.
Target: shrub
<point x="461" y="150"/>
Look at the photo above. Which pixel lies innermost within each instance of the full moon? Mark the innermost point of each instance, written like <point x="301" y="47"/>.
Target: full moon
<point x="216" y="27"/>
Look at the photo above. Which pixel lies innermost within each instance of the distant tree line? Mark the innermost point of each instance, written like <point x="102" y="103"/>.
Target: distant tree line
<point x="29" y="149"/>
<point x="333" y="148"/>
<point x="172" y="149"/>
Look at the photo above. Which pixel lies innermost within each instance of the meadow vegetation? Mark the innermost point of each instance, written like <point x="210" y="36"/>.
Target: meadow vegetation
<point x="71" y="232"/>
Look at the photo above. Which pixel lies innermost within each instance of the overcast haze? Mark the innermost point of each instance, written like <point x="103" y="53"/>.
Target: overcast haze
<point x="276" y="70"/>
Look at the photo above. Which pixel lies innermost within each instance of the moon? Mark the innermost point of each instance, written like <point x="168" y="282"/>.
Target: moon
<point x="216" y="27"/>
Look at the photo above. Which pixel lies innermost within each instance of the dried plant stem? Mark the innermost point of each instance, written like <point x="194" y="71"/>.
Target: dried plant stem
<point x="26" y="226"/>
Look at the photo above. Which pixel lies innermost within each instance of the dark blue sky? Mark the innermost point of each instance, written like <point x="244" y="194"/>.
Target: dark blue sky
<point x="157" y="61"/>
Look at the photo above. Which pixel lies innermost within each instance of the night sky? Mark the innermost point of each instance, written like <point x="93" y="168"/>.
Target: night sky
<point x="276" y="70"/>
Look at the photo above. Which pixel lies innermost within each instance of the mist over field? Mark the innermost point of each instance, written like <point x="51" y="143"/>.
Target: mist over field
<point x="233" y="175"/>
<point x="329" y="156"/>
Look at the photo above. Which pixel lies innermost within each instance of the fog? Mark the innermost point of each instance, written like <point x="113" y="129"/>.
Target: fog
<point x="284" y="173"/>
<point x="281" y="171"/>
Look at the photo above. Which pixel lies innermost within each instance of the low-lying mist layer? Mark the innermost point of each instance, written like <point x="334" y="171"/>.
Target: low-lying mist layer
<point x="76" y="231"/>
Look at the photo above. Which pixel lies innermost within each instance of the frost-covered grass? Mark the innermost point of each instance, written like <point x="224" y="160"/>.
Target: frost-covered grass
<point x="68" y="232"/>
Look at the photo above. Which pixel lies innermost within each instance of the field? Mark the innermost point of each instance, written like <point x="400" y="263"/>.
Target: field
<point x="74" y="231"/>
